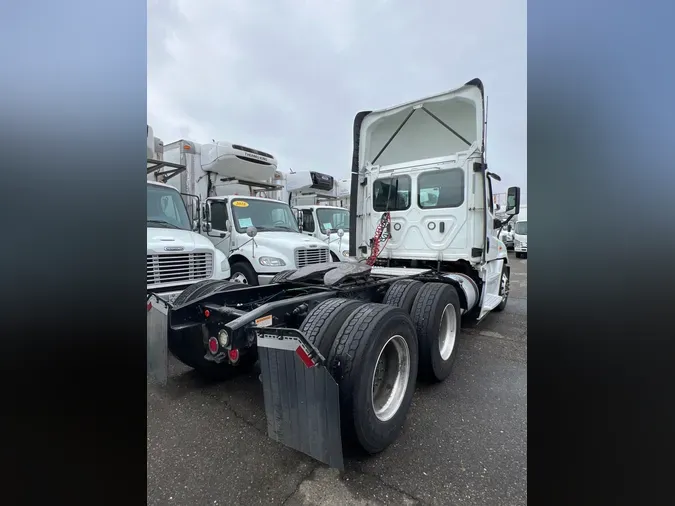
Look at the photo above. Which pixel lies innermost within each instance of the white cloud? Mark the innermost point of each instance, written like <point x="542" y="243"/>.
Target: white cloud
<point x="288" y="76"/>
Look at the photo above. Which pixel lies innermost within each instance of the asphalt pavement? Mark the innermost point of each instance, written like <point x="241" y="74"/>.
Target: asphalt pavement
<point x="464" y="442"/>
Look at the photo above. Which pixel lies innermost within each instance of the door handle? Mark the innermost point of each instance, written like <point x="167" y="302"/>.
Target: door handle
<point x="441" y="227"/>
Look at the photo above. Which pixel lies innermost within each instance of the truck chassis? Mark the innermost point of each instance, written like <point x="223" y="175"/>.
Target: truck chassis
<point x="339" y="347"/>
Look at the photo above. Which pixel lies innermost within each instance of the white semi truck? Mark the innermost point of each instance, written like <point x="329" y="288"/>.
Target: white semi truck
<point x="177" y="256"/>
<point x="341" y="345"/>
<point x="260" y="236"/>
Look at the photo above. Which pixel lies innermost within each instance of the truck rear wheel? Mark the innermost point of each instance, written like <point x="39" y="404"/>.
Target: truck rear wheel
<point x="322" y="324"/>
<point x="374" y="360"/>
<point x="402" y="293"/>
<point x="281" y="276"/>
<point x="243" y="273"/>
<point x="436" y="314"/>
<point x="188" y="346"/>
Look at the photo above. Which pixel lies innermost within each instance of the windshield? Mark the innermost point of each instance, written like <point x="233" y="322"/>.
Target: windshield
<point x="333" y="220"/>
<point x="263" y="215"/>
<point x="166" y="208"/>
<point x="521" y="228"/>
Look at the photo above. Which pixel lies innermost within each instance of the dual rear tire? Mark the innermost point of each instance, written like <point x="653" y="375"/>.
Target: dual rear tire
<point x="374" y="352"/>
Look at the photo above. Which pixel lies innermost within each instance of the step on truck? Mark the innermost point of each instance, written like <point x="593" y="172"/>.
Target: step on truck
<point x="259" y="235"/>
<point x="341" y="345"/>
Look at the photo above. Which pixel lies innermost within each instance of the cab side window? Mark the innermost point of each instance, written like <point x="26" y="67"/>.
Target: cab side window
<point x="307" y="221"/>
<point x="218" y="215"/>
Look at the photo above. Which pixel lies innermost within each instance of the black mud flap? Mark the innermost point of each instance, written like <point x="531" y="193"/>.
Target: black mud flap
<point x="302" y="401"/>
<point x="157" y="345"/>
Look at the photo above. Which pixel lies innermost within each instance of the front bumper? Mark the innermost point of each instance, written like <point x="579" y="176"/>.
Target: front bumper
<point x="265" y="279"/>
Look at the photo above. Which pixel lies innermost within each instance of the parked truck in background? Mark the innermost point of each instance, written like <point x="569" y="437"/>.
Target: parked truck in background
<point x="177" y="255"/>
<point x="329" y="224"/>
<point x="259" y="236"/>
<point x="314" y="197"/>
<point x="520" y="234"/>
<point x="341" y="345"/>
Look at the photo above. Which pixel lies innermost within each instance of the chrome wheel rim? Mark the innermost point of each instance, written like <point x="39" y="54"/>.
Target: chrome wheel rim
<point x="447" y="333"/>
<point x="238" y="277"/>
<point x="505" y="286"/>
<point x="390" y="378"/>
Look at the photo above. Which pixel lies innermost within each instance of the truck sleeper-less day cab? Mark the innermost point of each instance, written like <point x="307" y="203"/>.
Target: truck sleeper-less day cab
<point x="260" y="236"/>
<point x="341" y="345"/>
<point x="177" y="257"/>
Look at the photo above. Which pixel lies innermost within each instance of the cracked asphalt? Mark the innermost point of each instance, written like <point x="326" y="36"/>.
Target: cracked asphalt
<point x="464" y="442"/>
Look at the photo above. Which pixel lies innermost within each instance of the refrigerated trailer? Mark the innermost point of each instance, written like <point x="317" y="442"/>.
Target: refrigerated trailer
<point x="341" y="345"/>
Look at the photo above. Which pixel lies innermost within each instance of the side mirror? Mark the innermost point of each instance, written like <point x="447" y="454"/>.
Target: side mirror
<point x="340" y="232"/>
<point x="195" y="225"/>
<point x="509" y="228"/>
<point x="298" y="218"/>
<point x="496" y="223"/>
<point x="251" y="232"/>
<point x="208" y="227"/>
<point x="228" y="225"/>
<point x="513" y="201"/>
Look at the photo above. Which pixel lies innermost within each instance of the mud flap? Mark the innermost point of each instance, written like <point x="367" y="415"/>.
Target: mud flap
<point x="157" y="346"/>
<point x="302" y="401"/>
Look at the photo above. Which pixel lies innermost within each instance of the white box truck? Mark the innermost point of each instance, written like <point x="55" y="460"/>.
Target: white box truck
<point x="314" y="197"/>
<point x="177" y="255"/>
<point x="260" y="236"/>
<point x="520" y="234"/>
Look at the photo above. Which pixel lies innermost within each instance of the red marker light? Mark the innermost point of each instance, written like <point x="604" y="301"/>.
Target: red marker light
<point x="207" y="313"/>
<point x="213" y="345"/>
<point x="234" y="356"/>
<point x="149" y="306"/>
<point x="300" y="351"/>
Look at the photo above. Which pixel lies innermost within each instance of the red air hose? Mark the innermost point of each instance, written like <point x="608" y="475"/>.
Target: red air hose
<point x="381" y="236"/>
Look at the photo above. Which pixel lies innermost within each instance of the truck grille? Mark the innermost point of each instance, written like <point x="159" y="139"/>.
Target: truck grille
<point x="179" y="267"/>
<point x="310" y="256"/>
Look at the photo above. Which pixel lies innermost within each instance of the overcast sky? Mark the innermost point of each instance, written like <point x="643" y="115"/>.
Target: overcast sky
<point x="288" y="76"/>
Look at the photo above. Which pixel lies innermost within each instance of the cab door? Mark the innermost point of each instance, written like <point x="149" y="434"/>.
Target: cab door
<point x="308" y="222"/>
<point x="216" y="224"/>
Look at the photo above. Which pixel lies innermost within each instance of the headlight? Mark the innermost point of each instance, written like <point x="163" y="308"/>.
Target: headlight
<point x="345" y="253"/>
<point x="271" y="261"/>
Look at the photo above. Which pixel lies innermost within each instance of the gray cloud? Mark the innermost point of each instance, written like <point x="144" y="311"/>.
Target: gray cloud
<point x="288" y="76"/>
